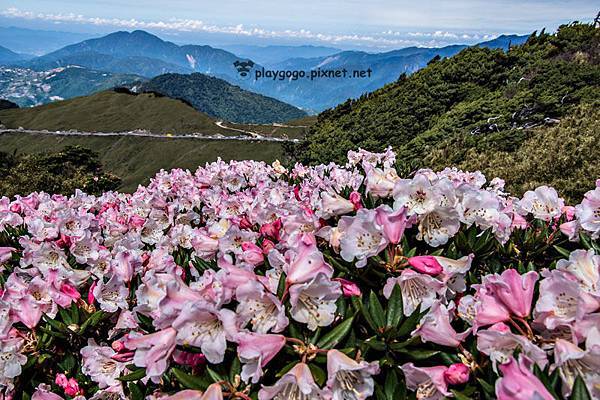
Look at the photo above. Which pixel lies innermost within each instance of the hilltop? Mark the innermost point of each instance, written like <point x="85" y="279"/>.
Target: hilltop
<point x="481" y="101"/>
<point x="222" y="100"/>
<point x="110" y="111"/>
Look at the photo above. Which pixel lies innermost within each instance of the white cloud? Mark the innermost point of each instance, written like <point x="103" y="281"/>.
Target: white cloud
<point x="386" y="39"/>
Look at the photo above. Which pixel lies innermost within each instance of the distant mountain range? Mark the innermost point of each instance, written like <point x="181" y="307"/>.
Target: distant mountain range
<point x="27" y="87"/>
<point x="8" y="56"/>
<point x="220" y="99"/>
<point x="36" y="41"/>
<point x="267" y="55"/>
<point x="144" y="54"/>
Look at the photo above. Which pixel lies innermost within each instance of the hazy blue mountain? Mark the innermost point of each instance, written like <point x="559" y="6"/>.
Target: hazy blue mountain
<point x="8" y="56"/>
<point x="220" y="99"/>
<point x="503" y="41"/>
<point x="268" y="55"/>
<point x="139" y="65"/>
<point x="140" y="53"/>
<point x="38" y="42"/>
<point x="27" y="87"/>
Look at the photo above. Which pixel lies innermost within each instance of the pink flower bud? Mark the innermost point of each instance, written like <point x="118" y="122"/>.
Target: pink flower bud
<point x="271" y="230"/>
<point x="426" y="265"/>
<point x="90" y="296"/>
<point x="117" y="345"/>
<point x="349" y="288"/>
<point x="70" y="291"/>
<point x="189" y="359"/>
<point x="61" y="380"/>
<point x="356" y="200"/>
<point x="457" y="374"/>
<point x="123" y="357"/>
<point x="267" y="246"/>
<point x="569" y="212"/>
<point x="72" y="388"/>
<point x="252" y="254"/>
<point x="136" y="221"/>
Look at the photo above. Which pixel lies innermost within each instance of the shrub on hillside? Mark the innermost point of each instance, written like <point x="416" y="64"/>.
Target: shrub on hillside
<point x="249" y="281"/>
<point x="61" y="173"/>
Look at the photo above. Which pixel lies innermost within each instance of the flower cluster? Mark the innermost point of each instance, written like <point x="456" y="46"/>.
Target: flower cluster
<point x="252" y="281"/>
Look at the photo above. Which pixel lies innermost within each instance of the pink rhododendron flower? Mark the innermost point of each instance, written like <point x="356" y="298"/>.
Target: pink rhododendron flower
<point x="515" y="291"/>
<point x="417" y="290"/>
<point x="152" y="351"/>
<point x="428" y="382"/>
<point x="435" y="327"/>
<point x="99" y="364"/>
<point x="313" y="303"/>
<point x="499" y="343"/>
<point x="519" y="383"/>
<point x="259" y="307"/>
<point x="255" y="350"/>
<point x="393" y="222"/>
<point x="307" y="264"/>
<point x="201" y="325"/>
<point x="6" y="254"/>
<point x="296" y="383"/>
<point x="543" y="203"/>
<point x="572" y="361"/>
<point x="361" y="237"/>
<point x="333" y="204"/>
<point x="348" y="378"/>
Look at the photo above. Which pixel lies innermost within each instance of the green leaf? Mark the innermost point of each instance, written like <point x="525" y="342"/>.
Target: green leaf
<point x="236" y="369"/>
<point x="134" y="376"/>
<point x="67" y="363"/>
<point x="336" y="335"/>
<point x="487" y="387"/>
<point x="391" y="384"/>
<point x="418" y="354"/>
<point x="376" y="310"/>
<point x="410" y="323"/>
<point x="281" y="285"/>
<point x="395" y="308"/>
<point x="459" y="396"/>
<point x="190" y="381"/>
<point x="92" y="321"/>
<point x="563" y="252"/>
<point x="318" y="374"/>
<point x="580" y="391"/>
<point x="285" y="369"/>
<point x="135" y="393"/>
<point x="59" y="326"/>
<point x="216" y="377"/>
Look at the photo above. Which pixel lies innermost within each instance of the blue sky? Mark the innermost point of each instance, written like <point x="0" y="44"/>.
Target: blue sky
<point x="339" y="23"/>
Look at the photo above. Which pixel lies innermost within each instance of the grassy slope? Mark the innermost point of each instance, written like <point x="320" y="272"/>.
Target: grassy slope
<point x="137" y="159"/>
<point x="114" y="112"/>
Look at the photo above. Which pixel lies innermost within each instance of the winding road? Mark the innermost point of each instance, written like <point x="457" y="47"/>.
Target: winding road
<point x="199" y="136"/>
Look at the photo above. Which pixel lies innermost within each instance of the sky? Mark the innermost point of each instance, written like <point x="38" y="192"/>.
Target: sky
<point x="376" y="24"/>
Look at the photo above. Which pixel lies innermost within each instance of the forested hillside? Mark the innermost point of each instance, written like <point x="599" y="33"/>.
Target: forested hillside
<point x="480" y="102"/>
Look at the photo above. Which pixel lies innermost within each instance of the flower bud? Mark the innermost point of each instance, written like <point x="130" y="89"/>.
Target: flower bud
<point x="457" y="374"/>
<point x="426" y="265"/>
